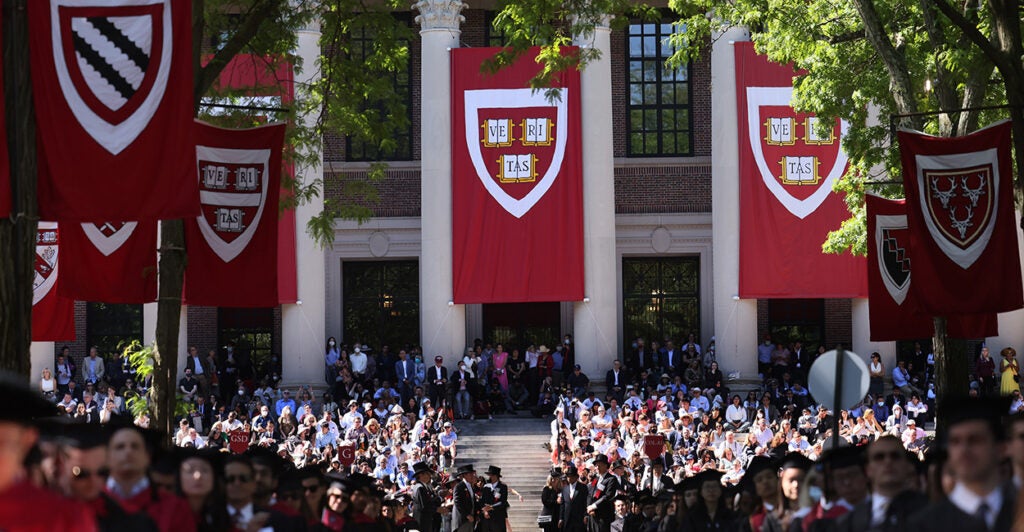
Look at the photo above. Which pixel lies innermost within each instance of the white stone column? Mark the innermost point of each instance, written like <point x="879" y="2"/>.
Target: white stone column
<point x="735" y="319"/>
<point x="442" y="324"/>
<point x="303" y="324"/>
<point x="596" y="319"/>
<point x="861" y="330"/>
<point x="41" y="356"/>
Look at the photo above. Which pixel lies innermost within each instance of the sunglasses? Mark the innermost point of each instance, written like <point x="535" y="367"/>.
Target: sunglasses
<point x="81" y="474"/>
<point x="231" y="479"/>
<point x="311" y="489"/>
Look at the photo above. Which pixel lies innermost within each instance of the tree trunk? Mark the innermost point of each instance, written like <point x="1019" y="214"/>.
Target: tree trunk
<point x="168" y="323"/>
<point x="18" y="233"/>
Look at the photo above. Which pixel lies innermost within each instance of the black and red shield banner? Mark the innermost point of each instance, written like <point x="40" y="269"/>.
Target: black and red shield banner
<point x="113" y="262"/>
<point x="893" y="308"/>
<point x="960" y="213"/>
<point x="517" y="203"/>
<point x="112" y="84"/>
<point x="232" y="245"/>
<point x="53" y="316"/>
<point x="788" y="164"/>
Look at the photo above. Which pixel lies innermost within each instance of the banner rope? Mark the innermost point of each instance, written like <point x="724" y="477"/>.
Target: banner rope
<point x="438" y="330"/>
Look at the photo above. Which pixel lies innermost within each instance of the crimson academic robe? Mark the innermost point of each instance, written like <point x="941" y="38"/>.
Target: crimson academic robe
<point x="26" y="508"/>
<point x="170" y="512"/>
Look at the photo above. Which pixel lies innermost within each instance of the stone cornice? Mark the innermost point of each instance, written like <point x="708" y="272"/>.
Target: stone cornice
<point x="440" y="14"/>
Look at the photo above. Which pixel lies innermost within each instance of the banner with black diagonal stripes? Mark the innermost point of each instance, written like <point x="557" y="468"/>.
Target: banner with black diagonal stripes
<point x="112" y="82"/>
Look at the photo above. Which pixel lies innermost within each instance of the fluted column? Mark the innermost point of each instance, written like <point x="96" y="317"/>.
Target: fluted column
<point x="303" y="324"/>
<point x="442" y="324"/>
<point x="595" y="320"/>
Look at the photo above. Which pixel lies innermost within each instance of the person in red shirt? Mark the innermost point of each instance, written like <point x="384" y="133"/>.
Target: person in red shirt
<point x="130" y="452"/>
<point x="25" y="507"/>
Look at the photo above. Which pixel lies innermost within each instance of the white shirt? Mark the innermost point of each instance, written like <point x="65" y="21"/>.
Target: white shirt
<point x="240" y="517"/>
<point x="358" y="361"/>
<point x="968" y="502"/>
<point x="736" y="413"/>
<point x="115" y="488"/>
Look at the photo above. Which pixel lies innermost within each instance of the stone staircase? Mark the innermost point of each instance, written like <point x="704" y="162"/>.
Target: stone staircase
<point x="515" y="444"/>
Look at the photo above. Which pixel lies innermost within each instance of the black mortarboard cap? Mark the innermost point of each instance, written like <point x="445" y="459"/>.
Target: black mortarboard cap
<point x="843" y="457"/>
<point x="758" y="464"/>
<point x="795" y="460"/>
<point x="992" y="410"/>
<point x="709" y="475"/>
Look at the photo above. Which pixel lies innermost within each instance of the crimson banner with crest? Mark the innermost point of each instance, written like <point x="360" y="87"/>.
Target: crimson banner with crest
<point x="517" y="197"/>
<point x="53" y="316"/>
<point x="788" y="164"/>
<point x="112" y="83"/>
<point x="232" y="245"/>
<point x="893" y="309"/>
<point x="111" y="262"/>
<point x="960" y="212"/>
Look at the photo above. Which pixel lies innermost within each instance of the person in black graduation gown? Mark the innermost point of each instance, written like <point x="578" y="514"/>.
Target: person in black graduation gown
<point x="710" y="512"/>
<point x="425" y="500"/>
<point x="601" y="503"/>
<point x="573" y="509"/>
<point x="893" y="499"/>
<point x="980" y="501"/>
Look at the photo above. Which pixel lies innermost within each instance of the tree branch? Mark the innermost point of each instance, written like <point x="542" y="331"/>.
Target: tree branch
<point x="970" y="31"/>
<point x="895" y="62"/>
<point x="250" y="25"/>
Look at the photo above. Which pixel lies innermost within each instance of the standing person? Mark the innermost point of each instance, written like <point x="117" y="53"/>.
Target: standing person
<point x="461" y="382"/>
<point x="495" y="502"/>
<point x="331" y="357"/>
<point x="763" y="474"/>
<point x="23" y="506"/>
<point x="985" y="369"/>
<point x="464" y="498"/>
<point x="499" y="360"/>
<point x="437" y="376"/>
<point x="1010" y="371"/>
<point x="93" y="369"/>
<point x="876" y="371"/>
<point x="64" y="371"/>
<point x="550" y="498"/>
<point x="573" y="509"/>
<point x="710" y="512"/>
<point x="199" y="368"/>
<point x="130" y="452"/>
<point x="601" y="502"/>
<point x="425" y="501"/>
<point x="976" y="442"/>
<point x="405" y="375"/>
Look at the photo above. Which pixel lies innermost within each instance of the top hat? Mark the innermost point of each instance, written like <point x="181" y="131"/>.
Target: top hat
<point x="420" y="467"/>
<point x="493" y="470"/>
<point x="600" y="458"/>
<point x="462" y="470"/>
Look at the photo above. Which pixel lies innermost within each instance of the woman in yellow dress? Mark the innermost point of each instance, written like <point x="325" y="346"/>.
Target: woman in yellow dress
<point x="1009" y="369"/>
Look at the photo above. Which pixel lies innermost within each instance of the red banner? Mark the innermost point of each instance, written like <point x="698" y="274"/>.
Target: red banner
<point x="239" y="175"/>
<point x="238" y="441"/>
<point x="654" y="446"/>
<point x="893" y="309"/>
<point x="787" y="167"/>
<point x="960" y="211"/>
<point x="517" y="203"/>
<point x="113" y="100"/>
<point x="113" y="262"/>
<point x="272" y="81"/>
<point x="53" y="317"/>
<point x="346" y="455"/>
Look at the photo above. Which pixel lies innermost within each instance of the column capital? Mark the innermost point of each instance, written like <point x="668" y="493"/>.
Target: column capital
<point x="602" y="24"/>
<point x="440" y="14"/>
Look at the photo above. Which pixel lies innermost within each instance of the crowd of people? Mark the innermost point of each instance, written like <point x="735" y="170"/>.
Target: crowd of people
<point x="377" y="450"/>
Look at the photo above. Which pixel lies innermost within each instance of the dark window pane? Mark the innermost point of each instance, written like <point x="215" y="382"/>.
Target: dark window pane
<point x="111" y="327"/>
<point x="381" y="303"/>
<point x="661" y="297"/>
<point x="252" y="331"/>
<point x="664" y="96"/>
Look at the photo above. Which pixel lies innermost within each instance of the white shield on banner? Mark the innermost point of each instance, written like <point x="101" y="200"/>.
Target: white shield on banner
<point x="891" y="252"/>
<point x="476" y="100"/>
<point x="113" y="61"/>
<point x="108" y="237"/>
<point x="795" y="149"/>
<point x="957" y="193"/>
<point x="47" y="247"/>
<point x="232" y="195"/>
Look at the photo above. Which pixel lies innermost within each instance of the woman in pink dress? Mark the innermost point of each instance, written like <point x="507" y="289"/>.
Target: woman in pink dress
<point x="499" y="359"/>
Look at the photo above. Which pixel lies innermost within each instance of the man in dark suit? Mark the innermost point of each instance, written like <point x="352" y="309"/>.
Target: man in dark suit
<point x="979" y="501"/>
<point x="671" y="359"/>
<point x="196" y="363"/>
<point x="601" y="503"/>
<point x="615" y="381"/>
<point x="425" y="501"/>
<point x="437" y="379"/>
<point x="464" y="498"/>
<point x="405" y="375"/>
<point x="495" y="502"/>
<point x="574" y="503"/>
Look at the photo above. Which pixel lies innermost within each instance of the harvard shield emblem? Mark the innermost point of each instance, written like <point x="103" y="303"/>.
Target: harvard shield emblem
<point x="891" y="238"/>
<point x="113" y="63"/>
<point x="516" y="140"/>
<point x="798" y="158"/>
<point x="958" y="197"/>
<point x="232" y="194"/>
<point x="110" y="236"/>
<point x="47" y="246"/>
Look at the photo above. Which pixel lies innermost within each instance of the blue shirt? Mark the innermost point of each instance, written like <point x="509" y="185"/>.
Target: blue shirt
<point x="281" y="403"/>
<point x="898" y="378"/>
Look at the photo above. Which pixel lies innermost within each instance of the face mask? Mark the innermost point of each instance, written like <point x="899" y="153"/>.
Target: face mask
<point x="634" y="345"/>
<point x="241" y="392"/>
<point x="332" y="343"/>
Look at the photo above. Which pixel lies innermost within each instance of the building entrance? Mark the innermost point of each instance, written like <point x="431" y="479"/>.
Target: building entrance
<point x="517" y="325"/>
